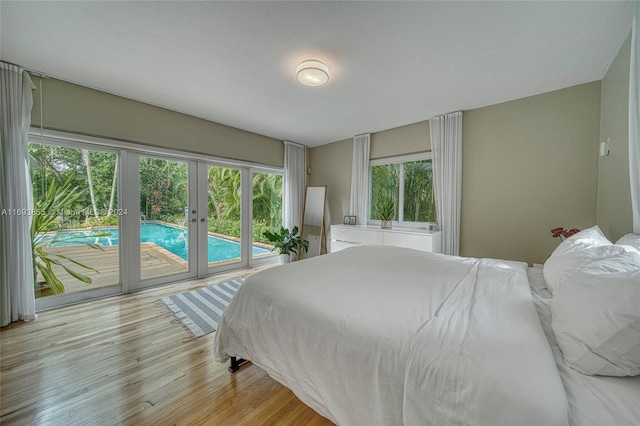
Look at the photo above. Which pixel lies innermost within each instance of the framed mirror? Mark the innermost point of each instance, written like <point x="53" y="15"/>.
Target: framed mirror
<point x="313" y="226"/>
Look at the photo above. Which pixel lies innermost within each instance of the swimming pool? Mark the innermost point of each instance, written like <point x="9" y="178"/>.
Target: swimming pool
<point x="171" y="238"/>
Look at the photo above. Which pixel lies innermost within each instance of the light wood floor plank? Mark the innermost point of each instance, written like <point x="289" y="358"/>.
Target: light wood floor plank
<point x="121" y="360"/>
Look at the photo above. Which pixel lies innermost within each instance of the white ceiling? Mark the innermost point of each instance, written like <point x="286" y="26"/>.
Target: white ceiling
<point x="391" y="63"/>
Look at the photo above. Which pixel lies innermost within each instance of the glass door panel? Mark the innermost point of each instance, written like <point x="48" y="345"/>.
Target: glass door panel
<point x="223" y="234"/>
<point x="164" y="217"/>
<point x="75" y="219"/>
<point x="267" y="211"/>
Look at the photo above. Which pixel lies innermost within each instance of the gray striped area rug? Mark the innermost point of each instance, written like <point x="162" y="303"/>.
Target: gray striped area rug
<point x="199" y="310"/>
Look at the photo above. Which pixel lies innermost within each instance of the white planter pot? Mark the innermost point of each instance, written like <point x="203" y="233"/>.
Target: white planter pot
<point x="284" y="258"/>
<point x="385" y="224"/>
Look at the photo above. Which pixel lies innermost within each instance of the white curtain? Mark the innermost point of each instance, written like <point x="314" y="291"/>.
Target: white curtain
<point x="634" y="122"/>
<point x="359" y="205"/>
<point x="446" y="148"/>
<point x="17" y="299"/>
<point x="294" y="183"/>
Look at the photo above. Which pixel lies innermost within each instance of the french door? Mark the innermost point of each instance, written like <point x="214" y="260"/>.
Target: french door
<point x="137" y="217"/>
<point x="190" y="219"/>
<point x="223" y="223"/>
<point x="76" y="216"/>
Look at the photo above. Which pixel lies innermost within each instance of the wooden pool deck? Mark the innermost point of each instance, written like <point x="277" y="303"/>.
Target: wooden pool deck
<point x="155" y="262"/>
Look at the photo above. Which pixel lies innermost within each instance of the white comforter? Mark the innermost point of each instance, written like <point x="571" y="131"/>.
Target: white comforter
<point x="390" y="336"/>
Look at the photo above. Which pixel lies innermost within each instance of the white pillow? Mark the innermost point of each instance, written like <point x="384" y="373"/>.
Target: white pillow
<point x="596" y="316"/>
<point x="573" y="252"/>
<point x="632" y="240"/>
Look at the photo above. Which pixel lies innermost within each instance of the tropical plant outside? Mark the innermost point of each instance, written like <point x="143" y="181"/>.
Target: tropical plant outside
<point x="162" y="187"/>
<point x="161" y="182"/>
<point x="56" y="163"/>
<point x="418" y="203"/>
<point x="385" y="181"/>
<point x="57" y="198"/>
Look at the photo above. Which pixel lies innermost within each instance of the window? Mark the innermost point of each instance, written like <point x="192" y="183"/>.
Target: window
<point x="114" y="217"/>
<point x="75" y="219"/>
<point x="267" y="210"/>
<point x="407" y="182"/>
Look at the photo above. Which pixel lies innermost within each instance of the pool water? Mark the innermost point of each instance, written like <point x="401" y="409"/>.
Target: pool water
<point x="168" y="237"/>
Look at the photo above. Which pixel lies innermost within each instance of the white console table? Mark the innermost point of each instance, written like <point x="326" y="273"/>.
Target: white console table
<point x="343" y="236"/>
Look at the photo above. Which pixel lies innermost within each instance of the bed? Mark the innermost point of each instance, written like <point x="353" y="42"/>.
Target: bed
<point x="387" y="336"/>
<point x="593" y="400"/>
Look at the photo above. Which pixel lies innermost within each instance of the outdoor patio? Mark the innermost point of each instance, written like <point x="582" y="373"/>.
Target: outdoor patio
<point x="155" y="262"/>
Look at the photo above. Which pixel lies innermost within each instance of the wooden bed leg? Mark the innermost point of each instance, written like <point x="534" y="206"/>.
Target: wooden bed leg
<point x="235" y="364"/>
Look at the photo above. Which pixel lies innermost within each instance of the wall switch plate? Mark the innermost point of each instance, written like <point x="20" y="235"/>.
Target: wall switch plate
<point x="604" y="148"/>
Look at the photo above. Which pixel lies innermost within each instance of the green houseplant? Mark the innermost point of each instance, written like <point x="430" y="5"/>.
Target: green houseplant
<point x="57" y="199"/>
<point x="286" y="242"/>
<point x="386" y="212"/>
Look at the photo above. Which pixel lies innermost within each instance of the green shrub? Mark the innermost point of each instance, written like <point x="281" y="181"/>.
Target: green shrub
<point x="225" y="227"/>
<point x="259" y="228"/>
<point x="232" y="228"/>
<point x="93" y="221"/>
<point x="170" y="218"/>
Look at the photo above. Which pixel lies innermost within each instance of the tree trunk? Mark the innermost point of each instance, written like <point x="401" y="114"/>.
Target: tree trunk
<point x="85" y="159"/>
<point x="113" y="189"/>
<point x="215" y="205"/>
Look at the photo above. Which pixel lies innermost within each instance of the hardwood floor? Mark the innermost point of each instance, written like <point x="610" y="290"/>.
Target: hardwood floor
<point x="120" y="360"/>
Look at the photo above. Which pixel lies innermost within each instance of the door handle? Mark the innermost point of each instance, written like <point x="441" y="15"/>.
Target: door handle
<point x="193" y="220"/>
<point x="203" y="220"/>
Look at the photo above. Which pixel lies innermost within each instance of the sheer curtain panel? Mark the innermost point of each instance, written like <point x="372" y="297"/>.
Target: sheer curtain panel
<point x="446" y="147"/>
<point x="359" y="205"/>
<point x="17" y="299"/>
<point x="294" y="182"/>
<point x="634" y="121"/>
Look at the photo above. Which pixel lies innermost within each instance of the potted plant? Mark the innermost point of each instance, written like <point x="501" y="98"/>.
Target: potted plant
<point x="58" y="198"/>
<point x="286" y="242"/>
<point x="386" y="212"/>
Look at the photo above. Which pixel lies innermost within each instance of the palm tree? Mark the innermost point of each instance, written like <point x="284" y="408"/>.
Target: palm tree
<point x="113" y="188"/>
<point x="87" y="164"/>
<point x="224" y="192"/>
<point x="267" y="198"/>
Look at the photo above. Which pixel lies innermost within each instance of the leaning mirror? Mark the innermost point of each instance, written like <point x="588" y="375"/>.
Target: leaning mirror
<point x="313" y="220"/>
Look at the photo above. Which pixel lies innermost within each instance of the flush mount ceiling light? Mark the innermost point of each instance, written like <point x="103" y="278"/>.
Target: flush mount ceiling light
<point x="312" y="73"/>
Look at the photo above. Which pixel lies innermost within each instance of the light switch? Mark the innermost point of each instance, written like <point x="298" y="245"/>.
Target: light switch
<point x="604" y="148"/>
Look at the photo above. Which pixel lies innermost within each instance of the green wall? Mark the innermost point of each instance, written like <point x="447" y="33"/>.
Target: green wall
<point x="77" y="109"/>
<point x="529" y="165"/>
<point x="614" y="190"/>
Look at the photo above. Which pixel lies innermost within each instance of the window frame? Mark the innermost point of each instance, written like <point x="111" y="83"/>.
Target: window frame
<point x="400" y="160"/>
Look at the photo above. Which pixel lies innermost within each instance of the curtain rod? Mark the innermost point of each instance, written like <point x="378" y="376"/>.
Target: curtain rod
<point x="29" y="70"/>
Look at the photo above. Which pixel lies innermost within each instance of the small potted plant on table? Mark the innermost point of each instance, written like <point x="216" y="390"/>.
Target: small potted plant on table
<point x="386" y="212"/>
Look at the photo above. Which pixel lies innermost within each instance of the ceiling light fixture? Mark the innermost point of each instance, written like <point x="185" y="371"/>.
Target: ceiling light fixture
<point x="312" y="73"/>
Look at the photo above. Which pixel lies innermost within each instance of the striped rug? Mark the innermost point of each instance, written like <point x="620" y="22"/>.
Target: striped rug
<point x="199" y="310"/>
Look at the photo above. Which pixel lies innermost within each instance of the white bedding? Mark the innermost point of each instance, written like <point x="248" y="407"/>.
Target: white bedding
<point x="593" y="400"/>
<point x="389" y="336"/>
